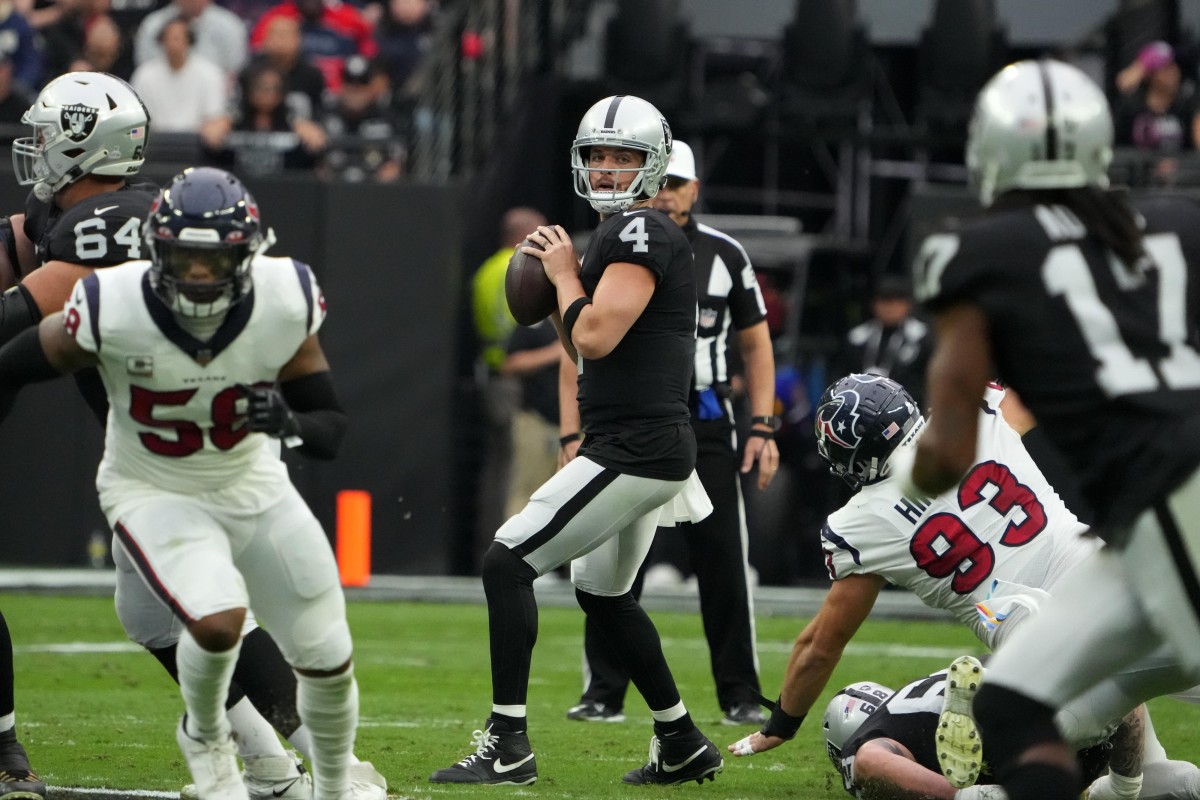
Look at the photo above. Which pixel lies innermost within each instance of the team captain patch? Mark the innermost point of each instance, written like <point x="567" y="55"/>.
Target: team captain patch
<point x="140" y="365"/>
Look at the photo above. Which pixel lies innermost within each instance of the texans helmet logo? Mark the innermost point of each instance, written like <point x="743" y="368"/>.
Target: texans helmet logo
<point x="78" y="121"/>
<point x="837" y="420"/>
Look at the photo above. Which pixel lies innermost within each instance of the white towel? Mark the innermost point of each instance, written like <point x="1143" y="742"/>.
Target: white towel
<point x="690" y="505"/>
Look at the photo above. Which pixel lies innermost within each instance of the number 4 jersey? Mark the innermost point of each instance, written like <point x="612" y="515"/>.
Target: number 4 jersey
<point x="176" y="418"/>
<point x="1103" y="355"/>
<point x="987" y="551"/>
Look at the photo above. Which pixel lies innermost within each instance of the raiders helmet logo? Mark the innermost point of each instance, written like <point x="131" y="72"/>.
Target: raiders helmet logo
<point x="837" y="420"/>
<point x="78" y="121"/>
<point x="666" y="134"/>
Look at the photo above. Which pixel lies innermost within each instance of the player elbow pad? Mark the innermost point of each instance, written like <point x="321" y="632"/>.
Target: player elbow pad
<point x="318" y="415"/>
<point x="18" y="311"/>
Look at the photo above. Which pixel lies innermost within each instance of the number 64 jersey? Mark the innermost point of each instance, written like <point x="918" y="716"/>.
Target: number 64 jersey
<point x="176" y="420"/>
<point x="989" y="551"/>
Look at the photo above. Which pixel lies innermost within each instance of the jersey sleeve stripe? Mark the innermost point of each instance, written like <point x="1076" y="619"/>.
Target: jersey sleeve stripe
<point x="302" y="272"/>
<point x="91" y="290"/>
<point x="828" y="535"/>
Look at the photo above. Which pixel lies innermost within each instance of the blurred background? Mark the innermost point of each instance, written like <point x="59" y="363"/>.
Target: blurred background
<point x="385" y="141"/>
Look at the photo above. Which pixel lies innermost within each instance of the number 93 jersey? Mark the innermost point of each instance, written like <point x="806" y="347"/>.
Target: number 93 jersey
<point x="1104" y="355"/>
<point x="101" y="231"/>
<point x="987" y="551"/>
<point x="177" y="417"/>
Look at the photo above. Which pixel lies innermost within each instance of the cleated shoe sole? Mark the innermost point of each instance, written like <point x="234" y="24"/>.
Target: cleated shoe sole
<point x="959" y="748"/>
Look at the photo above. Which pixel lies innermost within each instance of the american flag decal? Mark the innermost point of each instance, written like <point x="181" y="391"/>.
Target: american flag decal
<point x="890" y="431"/>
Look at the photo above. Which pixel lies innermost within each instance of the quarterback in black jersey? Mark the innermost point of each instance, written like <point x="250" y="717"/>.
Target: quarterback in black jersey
<point x="87" y="210"/>
<point x="1087" y="304"/>
<point x="628" y="319"/>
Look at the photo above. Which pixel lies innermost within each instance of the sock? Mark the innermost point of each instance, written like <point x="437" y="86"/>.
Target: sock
<point x="7" y="702"/>
<point x="204" y="679"/>
<point x="254" y="736"/>
<point x="1115" y="786"/>
<point x="515" y="724"/>
<point x="673" y="721"/>
<point x="628" y="632"/>
<point x="301" y="739"/>
<point x="8" y="724"/>
<point x="512" y="622"/>
<point x="268" y="680"/>
<point x="329" y="708"/>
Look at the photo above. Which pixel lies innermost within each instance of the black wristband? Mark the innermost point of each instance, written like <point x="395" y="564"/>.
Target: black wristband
<point x="572" y="313"/>
<point x="563" y="441"/>
<point x="772" y="422"/>
<point x="781" y="723"/>
<point x="768" y="435"/>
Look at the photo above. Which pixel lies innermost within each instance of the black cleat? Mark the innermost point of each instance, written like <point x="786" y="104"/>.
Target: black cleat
<point x="678" y="759"/>
<point x="18" y="781"/>
<point x="501" y="758"/>
<point x="744" y="714"/>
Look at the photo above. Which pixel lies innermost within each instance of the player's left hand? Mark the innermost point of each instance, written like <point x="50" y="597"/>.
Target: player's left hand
<point x="558" y="253"/>
<point x="267" y="412"/>
<point x="766" y="454"/>
<point x="757" y="742"/>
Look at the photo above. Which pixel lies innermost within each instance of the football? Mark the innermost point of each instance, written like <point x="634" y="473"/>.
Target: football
<point x="530" y="294"/>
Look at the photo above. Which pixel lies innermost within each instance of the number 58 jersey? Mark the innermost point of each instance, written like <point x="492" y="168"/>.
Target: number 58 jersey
<point x="177" y="417"/>
<point x="989" y="551"/>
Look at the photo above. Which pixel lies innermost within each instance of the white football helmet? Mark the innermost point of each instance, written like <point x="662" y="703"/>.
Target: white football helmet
<point x="628" y="122"/>
<point x="83" y="122"/>
<point x="846" y="713"/>
<point x="1039" y="125"/>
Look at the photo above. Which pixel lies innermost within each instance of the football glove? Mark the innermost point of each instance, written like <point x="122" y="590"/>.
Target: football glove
<point x="267" y="412"/>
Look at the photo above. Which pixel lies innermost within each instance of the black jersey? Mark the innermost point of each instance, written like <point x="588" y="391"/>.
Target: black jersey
<point x="1105" y="359"/>
<point x="910" y="717"/>
<point x="728" y="294"/>
<point x="101" y="231"/>
<point x="633" y="403"/>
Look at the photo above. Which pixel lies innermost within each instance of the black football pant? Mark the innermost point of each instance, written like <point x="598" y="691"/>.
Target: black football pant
<point x="717" y="548"/>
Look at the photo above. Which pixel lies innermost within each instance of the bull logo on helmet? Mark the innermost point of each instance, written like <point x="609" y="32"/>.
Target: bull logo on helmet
<point x="78" y="121"/>
<point x="837" y="420"/>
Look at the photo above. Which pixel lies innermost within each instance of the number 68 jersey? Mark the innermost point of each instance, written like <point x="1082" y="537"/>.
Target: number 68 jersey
<point x="177" y="418"/>
<point x="988" y="551"/>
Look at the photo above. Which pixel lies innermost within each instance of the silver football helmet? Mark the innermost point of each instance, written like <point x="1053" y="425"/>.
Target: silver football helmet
<point x="1039" y="125"/>
<point x="628" y="122"/>
<point x="83" y="122"/>
<point x="846" y="713"/>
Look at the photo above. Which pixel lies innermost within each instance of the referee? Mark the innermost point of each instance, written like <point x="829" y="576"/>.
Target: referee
<point x="729" y="298"/>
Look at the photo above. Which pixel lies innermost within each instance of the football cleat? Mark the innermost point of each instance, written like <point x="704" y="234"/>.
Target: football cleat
<point x="18" y="781"/>
<point x="269" y="778"/>
<point x="591" y="711"/>
<point x="501" y="758"/>
<point x="744" y="714"/>
<point x="366" y="783"/>
<point x="959" y="748"/>
<point x="213" y="765"/>
<point x="678" y="759"/>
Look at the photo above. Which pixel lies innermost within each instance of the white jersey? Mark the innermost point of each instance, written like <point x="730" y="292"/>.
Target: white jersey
<point x="990" y="548"/>
<point x="175" y="421"/>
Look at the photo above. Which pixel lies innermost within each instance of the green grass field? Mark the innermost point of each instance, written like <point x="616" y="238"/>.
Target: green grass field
<point x="95" y="712"/>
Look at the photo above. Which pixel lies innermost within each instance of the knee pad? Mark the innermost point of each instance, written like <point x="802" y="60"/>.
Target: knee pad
<point x="501" y="567"/>
<point x="1010" y="723"/>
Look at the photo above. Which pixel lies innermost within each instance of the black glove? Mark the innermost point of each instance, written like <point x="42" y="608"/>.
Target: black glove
<point x="267" y="412"/>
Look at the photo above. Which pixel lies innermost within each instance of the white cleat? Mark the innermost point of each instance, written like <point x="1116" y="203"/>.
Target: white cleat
<point x="959" y="748"/>
<point x="269" y="778"/>
<point x="213" y="766"/>
<point x="366" y="783"/>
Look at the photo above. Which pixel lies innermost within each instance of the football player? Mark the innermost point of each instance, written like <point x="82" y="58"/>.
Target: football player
<point x="991" y="553"/>
<point x="191" y="345"/>
<point x="1086" y="302"/>
<point x="628" y="319"/>
<point x="86" y="211"/>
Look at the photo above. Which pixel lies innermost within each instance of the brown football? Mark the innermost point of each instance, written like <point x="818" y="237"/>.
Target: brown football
<point x="530" y="294"/>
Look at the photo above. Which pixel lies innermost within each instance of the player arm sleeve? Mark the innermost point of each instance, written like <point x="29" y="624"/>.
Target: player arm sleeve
<point x="320" y="420"/>
<point x="18" y="312"/>
<point x="22" y="361"/>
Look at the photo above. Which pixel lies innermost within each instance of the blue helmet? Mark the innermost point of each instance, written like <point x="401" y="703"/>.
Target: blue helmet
<point x="204" y="216"/>
<point x="861" y="419"/>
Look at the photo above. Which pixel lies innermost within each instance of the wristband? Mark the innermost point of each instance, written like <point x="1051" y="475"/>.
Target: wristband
<point x="771" y="422"/>
<point x="781" y="723"/>
<point x="768" y="435"/>
<point x="563" y="441"/>
<point x="572" y="313"/>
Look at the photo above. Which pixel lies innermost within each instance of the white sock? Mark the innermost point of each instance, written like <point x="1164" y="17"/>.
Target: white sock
<point x="669" y="714"/>
<point x="204" y="682"/>
<point x="254" y="736"/>
<point x="301" y="739"/>
<point x="8" y="722"/>
<point x="1115" y="786"/>
<point x="1152" y="749"/>
<point x="978" y="792"/>
<point x="329" y="708"/>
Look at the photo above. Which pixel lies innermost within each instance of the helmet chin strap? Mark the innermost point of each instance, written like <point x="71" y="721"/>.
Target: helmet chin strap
<point x="43" y="192"/>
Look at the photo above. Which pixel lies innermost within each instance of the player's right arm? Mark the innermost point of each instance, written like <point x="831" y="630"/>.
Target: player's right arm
<point x="816" y="653"/>
<point x="39" y="354"/>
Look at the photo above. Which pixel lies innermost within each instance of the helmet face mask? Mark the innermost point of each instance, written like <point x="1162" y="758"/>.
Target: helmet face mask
<point x="1039" y="125"/>
<point x="83" y="123"/>
<point x="203" y="233"/>
<point x="846" y="713"/>
<point x="859" y="422"/>
<point x="623" y="122"/>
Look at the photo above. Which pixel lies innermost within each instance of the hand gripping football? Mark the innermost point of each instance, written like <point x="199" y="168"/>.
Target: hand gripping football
<point x="530" y="294"/>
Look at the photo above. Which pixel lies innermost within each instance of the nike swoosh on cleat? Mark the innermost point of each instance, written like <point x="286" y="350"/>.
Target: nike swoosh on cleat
<point x="284" y="790"/>
<point x="100" y="211"/>
<point x="500" y="766"/>
<point x="676" y="767"/>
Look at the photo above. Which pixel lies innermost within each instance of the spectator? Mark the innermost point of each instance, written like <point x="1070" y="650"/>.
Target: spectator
<point x="264" y="137"/>
<point x="104" y="49"/>
<point x="365" y="138"/>
<point x="220" y="34"/>
<point x="404" y="38"/>
<point x="892" y="343"/>
<point x="18" y="47"/>
<point x="1160" y="111"/>
<point x="64" y="38"/>
<point x="183" y="91"/>
<point x="533" y="354"/>
<point x="14" y="99"/>
<point x="332" y="32"/>
<point x="303" y="82"/>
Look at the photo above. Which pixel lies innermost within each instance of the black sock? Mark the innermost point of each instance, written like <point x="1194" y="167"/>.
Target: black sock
<point x="676" y="727"/>
<point x="629" y="634"/>
<point x="511" y="724"/>
<point x="268" y="680"/>
<point x="7" y="701"/>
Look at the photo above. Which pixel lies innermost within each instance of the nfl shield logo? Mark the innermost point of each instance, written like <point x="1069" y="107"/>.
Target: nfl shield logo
<point x="78" y="121"/>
